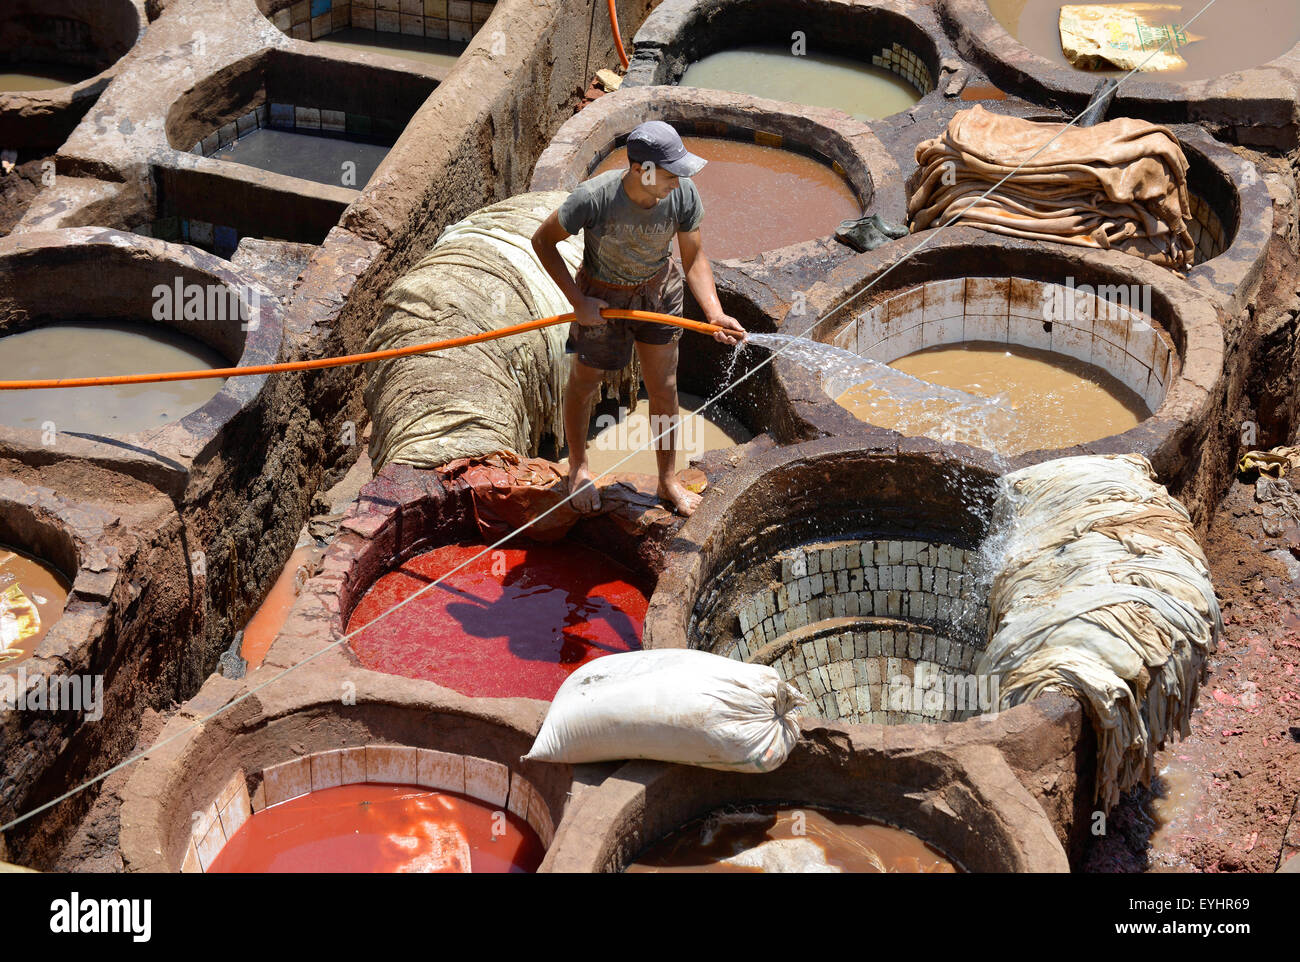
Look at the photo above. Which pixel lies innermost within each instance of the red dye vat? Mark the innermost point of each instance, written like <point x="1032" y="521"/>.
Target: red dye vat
<point x="513" y="623"/>
<point x="381" y="828"/>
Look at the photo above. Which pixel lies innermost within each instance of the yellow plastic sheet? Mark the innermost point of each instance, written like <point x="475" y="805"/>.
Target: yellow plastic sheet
<point x="1131" y="36"/>
<point x="19" y="620"/>
<point x="1276" y="463"/>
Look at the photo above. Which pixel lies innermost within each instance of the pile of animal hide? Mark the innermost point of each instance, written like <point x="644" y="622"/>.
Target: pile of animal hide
<point x="1101" y="590"/>
<point x="1118" y="185"/>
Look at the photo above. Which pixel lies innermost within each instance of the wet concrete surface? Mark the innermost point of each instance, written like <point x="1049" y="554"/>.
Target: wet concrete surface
<point x="323" y="159"/>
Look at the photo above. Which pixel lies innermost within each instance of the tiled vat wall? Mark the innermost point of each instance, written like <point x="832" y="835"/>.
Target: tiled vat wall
<point x="487" y="781"/>
<point x="214" y="238"/>
<point x="436" y="19"/>
<point x="849" y="618"/>
<point x="913" y="580"/>
<point x="880" y="676"/>
<point x="1010" y="310"/>
<point x="898" y="59"/>
<point x="1207" y="231"/>
<point x="314" y="120"/>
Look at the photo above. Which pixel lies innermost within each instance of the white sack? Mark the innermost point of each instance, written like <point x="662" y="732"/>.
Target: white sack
<point x="672" y="705"/>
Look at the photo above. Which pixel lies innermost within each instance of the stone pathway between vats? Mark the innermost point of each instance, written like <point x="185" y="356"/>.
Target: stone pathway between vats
<point x="19" y="184"/>
<point x="1226" y="798"/>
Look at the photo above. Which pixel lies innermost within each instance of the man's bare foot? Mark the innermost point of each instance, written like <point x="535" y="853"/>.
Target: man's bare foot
<point x="586" y="499"/>
<point x="684" y="502"/>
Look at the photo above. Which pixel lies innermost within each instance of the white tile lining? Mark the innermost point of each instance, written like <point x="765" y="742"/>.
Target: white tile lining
<point x="1112" y="334"/>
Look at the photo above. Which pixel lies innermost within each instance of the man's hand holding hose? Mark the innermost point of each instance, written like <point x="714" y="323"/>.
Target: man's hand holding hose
<point x="587" y="310"/>
<point x="731" y="324"/>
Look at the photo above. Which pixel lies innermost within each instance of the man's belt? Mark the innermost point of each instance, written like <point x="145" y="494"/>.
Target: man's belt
<point x="623" y="287"/>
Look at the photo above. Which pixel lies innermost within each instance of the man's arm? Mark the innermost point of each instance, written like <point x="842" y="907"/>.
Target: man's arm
<point x="587" y="309"/>
<point x="699" y="277"/>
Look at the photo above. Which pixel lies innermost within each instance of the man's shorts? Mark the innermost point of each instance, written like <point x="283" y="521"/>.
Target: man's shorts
<point x="608" y="346"/>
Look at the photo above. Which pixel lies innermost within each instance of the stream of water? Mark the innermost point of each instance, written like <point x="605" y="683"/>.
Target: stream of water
<point x="909" y="404"/>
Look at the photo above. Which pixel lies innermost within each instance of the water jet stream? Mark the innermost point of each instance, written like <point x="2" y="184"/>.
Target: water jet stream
<point x="912" y="406"/>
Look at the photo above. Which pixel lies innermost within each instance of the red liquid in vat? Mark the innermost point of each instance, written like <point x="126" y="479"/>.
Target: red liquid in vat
<point x="381" y="828"/>
<point x="760" y="198"/>
<point x="267" y="621"/>
<point x="513" y="623"/>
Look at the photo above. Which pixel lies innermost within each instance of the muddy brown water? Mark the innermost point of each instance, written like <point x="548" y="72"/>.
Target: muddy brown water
<point x="324" y="159"/>
<point x="41" y="77"/>
<point x="422" y="50"/>
<point x="861" y="90"/>
<point x="1234" y="34"/>
<point x="91" y="350"/>
<point x="617" y="432"/>
<point x="790" y="840"/>
<point x="1176" y="804"/>
<point x="32" y="597"/>
<point x="1056" y="401"/>
<point x="747" y="189"/>
<point x="982" y="92"/>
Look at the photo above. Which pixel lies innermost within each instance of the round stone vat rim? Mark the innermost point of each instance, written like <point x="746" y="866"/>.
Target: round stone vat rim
<point x="192" y="767"/>
<point x="1189" y="401"/>
<point x="572" y="152"/>
<point x="607" y="827"/>
<point x="178" y="445"/>
<point x="1234" y="276"/>
<point x="983" y="40"/>
<point x="403" y="512"/>
<point x="683" y="577"/>
<point x="92" y="583"/>
<point x="723" y="533"/>
<point x="670" y="23"/>
<point x="61" y="97"/>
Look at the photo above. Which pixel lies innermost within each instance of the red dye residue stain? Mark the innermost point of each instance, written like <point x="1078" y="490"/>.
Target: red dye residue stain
<point x="381" y="828"/>
<point x="267" y="621"/>
<point x="513" y="623"/>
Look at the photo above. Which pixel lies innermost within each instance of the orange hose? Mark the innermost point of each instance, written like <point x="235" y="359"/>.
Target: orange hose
<point x="682" y="322"/>
<point x="618" y="38"/>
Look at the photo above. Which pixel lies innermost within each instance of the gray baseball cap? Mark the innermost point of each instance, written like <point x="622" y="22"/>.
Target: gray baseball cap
<point x="657" y="143"/>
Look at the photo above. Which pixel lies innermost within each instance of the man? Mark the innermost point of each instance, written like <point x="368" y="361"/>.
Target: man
<point x="629" y="219"/>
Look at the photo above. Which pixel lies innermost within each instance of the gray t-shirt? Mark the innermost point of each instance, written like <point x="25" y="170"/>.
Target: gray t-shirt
<point x="625" y="243"/>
